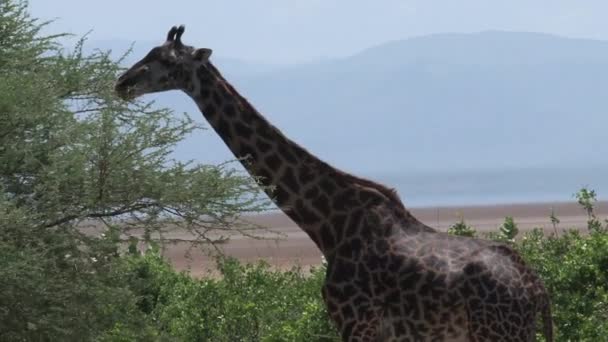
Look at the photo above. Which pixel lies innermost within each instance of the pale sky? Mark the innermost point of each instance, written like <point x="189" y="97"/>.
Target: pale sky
<point x="279" y="31"/>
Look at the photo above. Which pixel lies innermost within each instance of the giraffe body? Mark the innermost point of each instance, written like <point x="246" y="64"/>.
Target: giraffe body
<point x="396" y="280"/>
<point x="389" y="276"/>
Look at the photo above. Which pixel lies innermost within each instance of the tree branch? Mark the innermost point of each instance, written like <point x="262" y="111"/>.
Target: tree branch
<point x="116" y="212"/>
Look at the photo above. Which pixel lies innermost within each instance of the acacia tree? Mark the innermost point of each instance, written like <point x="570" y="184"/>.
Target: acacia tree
<point x="70" y="150"/>
<point x="70" y="153"/>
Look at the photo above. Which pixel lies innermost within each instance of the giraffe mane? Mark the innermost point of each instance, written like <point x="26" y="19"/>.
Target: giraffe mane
<point x="390" y="193"/>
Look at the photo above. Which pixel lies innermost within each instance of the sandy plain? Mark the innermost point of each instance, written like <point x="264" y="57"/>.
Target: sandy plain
<point x="295" y="248"/>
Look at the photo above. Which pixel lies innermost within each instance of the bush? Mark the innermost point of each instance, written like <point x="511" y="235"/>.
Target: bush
<point x="460" y="228"/>
<point x="248" y="302"/>
<point x="574" y="268"/>
<point x="252" y="302"/>
<point x="575" y="271"/>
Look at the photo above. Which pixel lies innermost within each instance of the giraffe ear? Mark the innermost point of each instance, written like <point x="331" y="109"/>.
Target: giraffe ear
<point x="201" y="54"/>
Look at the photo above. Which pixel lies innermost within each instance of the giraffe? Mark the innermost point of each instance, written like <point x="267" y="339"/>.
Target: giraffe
<point x="389" y="276"/>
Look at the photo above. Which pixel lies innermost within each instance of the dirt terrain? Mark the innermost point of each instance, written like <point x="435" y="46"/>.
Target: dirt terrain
<point x="296" y="248"/>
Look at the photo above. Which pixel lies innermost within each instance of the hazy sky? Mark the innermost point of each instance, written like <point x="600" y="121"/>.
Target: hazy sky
<point x="301" y="30"/>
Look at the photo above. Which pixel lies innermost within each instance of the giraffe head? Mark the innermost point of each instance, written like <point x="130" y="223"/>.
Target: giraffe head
<point x="166" y="67"/>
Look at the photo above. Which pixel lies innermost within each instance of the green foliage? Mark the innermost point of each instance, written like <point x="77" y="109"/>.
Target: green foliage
<point x="460" y="228"/>
<point x="244" y="303"/>
<point x="507" y="231"/>
<point x="71" y="150"/>
<point x="587" y="199"/>
<point x="255" y="303"/>
<point x="574" y="268"/>
<point x="50" y="290"/>
<point x="71" y="154"/>
<point x="575" y="271"/>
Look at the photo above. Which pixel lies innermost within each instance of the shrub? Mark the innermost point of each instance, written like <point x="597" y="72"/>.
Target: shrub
<point x="252" y="302"/>
<point x="574" y="269"/>
<point x="247" y="302"/>
<point x="460" y="228"/>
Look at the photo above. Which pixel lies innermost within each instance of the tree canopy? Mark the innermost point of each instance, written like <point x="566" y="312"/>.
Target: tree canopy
<point x="72" y="155"/>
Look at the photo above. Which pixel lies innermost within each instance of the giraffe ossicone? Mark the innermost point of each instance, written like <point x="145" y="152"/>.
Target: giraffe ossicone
<point x="389" y="276"/>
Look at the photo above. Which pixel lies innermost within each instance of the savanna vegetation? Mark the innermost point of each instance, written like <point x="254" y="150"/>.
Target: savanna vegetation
<point x="73" y="155"/>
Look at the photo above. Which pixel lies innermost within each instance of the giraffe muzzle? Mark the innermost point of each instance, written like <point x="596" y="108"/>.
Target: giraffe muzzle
<point x="127" y="84"/>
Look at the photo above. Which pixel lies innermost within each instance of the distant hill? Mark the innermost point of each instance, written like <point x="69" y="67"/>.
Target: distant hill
<point x="490" y="100"/>
<point x="485" y="100"/>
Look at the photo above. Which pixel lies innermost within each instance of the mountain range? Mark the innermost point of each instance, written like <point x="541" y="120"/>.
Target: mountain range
<point x="432" y="105"/>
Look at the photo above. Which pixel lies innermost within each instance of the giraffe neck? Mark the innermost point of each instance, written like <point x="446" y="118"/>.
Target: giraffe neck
<point x="284" y="169"/>
<point x="300" y="184"/>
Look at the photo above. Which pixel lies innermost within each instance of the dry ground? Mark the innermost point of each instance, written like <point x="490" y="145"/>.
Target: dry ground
<point x="297" y="248"/>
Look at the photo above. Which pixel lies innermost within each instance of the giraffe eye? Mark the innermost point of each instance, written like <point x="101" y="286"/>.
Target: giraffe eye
<point x="142" y="70"/>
